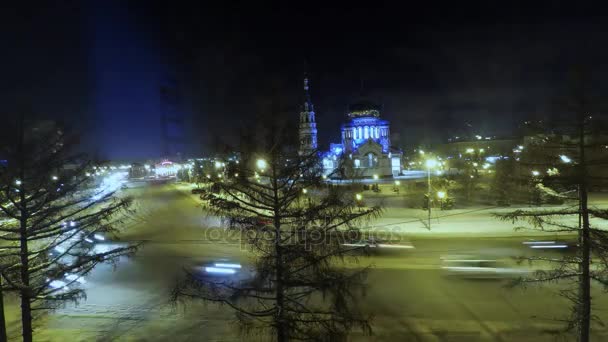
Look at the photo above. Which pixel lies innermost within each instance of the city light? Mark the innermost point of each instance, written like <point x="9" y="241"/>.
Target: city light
<point x="261" y="164"/>
<point x="358" y="197"/>
<point x="376" y="177"/>
<point x="470" y="150"/>
<point x="431" y="163"/>
<point x="565" y="159"/>
<point x="535" y="173"/>
<point x="218" y="164"/>
<point x="397" y="183"/>
<point x="54" y="178"/>
<point x="304" y="191"/>
<point x="441" y="194"/>
<point x="18" y="182"/>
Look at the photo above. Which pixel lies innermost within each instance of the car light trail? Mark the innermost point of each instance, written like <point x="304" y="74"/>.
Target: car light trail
<point x="227" y="265"/>
<point x="220" y="270"/>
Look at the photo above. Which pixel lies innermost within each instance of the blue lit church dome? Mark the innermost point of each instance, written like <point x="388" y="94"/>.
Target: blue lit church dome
<point x="364" y="125"/>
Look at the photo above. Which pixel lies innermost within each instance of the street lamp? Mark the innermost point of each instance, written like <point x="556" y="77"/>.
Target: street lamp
<point x="430" y="163"/>
<point x="565" y="159"/>
<point x="261" y="164"/>
<point x="358" y="197"/>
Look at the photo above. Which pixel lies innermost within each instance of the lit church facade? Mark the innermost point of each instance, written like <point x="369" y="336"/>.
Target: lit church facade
<point x="365" y="149"/>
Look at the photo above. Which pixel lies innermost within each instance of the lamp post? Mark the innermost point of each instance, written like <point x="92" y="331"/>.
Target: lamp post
<point x="441" y="195"/>
<point x="430" y="163"/>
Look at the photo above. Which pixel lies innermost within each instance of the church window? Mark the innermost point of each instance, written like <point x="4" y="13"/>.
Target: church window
<point x="360" y="133"/>
<point x="371" y="160"/>
<point x="357" y="163"/>
<point x="366" y="132"/>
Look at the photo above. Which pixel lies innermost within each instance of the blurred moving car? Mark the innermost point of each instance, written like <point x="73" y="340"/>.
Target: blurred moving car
<point x="223" y="271"/>
<point x="375" y="243"/>
<point x="477" y="267"/>
<point x="549" y="245"/>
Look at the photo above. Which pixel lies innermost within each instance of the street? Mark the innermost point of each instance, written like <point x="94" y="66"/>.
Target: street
<point x="411" y="297"/>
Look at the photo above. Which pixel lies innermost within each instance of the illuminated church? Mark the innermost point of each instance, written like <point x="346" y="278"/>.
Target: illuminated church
<point x="365" y="149"/>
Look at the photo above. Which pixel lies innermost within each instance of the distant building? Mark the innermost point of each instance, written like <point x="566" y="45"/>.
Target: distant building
<point x="365" y="146"/>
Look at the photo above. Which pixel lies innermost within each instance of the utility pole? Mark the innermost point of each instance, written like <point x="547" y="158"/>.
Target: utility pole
<point x="430" y="163"/>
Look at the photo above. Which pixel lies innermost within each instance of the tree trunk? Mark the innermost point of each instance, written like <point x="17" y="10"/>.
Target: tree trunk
<point x="26" y="309"/>
<point x="584" y="291"/>
<point x="280" y="319"/>
<point x="2" y="319"/>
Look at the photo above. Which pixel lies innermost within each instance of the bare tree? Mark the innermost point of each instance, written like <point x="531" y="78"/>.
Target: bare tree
<point x="571" y="161"/>
<point x="51" y="216"/>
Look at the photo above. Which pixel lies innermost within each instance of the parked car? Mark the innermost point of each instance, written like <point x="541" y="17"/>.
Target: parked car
<point x="198" y="191"/>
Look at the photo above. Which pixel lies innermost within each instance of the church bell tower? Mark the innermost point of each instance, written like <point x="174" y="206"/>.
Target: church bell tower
<point x="308" y="125"/>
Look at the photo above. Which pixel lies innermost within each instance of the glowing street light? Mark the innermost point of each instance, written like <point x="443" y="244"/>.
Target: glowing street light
<point x="375" y="177"/>
<point x="218" y="164"/>
<point x="54" y="178"/>
<point x="431" y="163"/>
<point x="565" y="159"/>
<point x="358" y="197"/>
<point x="18" y="182"/>
<point x="470" y="150"/>
<point x="397" y="183"/>
<point x="304" y="191"/>
<point x="535" y="173"/>
<point x="441" y="194"/>
<point x="261" y="164"/>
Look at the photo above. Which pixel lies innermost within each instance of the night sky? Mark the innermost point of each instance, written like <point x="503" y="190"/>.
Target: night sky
<point x="432" y="66"/>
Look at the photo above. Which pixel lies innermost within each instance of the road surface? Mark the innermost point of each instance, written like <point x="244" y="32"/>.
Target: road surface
<point x="410" y="295"/>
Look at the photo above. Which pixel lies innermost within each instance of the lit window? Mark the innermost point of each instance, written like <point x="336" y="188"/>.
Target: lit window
<point x="357" y="163"/>
<point x="366" y="132"/>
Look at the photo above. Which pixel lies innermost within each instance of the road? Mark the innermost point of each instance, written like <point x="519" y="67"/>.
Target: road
<point x="411" y="297"/>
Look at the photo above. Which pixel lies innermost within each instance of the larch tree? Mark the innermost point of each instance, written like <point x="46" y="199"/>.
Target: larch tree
<point x="52" y="215"/>
<point x="571" y="159"/>
<point x="295" y="227"/>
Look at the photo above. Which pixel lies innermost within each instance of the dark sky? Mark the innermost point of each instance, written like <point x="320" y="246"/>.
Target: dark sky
<point x="433" y="66"/>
